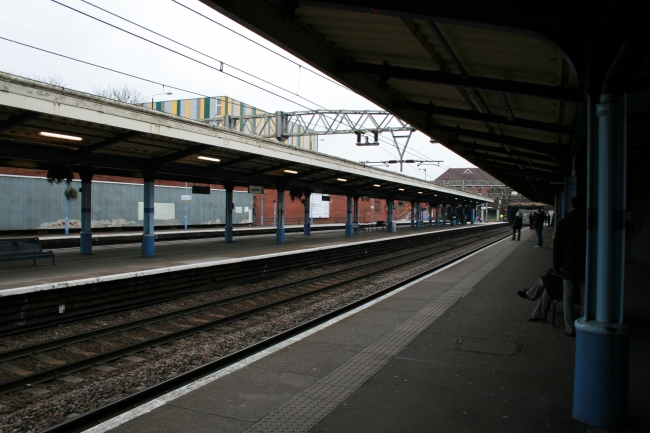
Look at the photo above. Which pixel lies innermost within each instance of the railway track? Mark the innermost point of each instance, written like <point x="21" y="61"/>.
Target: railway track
<point x="217" y="314"/>
<point x="40" y="309"/>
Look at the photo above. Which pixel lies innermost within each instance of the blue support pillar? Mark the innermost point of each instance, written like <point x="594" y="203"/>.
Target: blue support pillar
<point x="307" y="225"/>
<point x="430" y="214"/>
<point x="473" y="215"/>
<point x="602" y="340"/>
<point x="348" y="218"/>
<point x="279" y="231"/>
<point x="418" y="216"/>
<point x="412" y="214"/>
<point x="443" y="214"/>
<point x="86" y="236"/>
<point x="355" y="215"/>
<point x="228" y="233"/>
<point x="570" y="190"/>
<point x="389" y="213"/>
<point x="148" y="236"/>
<point x="438" y="210"/>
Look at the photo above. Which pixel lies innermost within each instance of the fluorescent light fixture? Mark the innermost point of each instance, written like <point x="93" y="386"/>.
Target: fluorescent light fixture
<point x="291" y="171"/>
<point x="340" y="179"/>
<point x="435" y="195"/>
<point x="209" y="158"/>
<point x="61" y="136"/>
<point x="401" y="189"/>
<point x="456" y="198"/>
<point x="377" y="185"/>
<point x="420" y="192"/>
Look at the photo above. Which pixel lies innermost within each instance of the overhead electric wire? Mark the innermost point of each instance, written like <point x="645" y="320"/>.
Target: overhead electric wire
<point x="103" y="67"/>
<point x="181" y="54"/>
<point x="262" y="46"/>
<point x="197" y="51"/>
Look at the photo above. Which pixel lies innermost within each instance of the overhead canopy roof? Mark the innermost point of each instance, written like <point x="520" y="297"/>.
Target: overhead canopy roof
<point x="500" y="83"/>
<point x="127" y="140"/>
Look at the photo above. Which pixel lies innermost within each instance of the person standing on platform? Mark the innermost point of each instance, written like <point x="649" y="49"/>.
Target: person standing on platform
<point x="538" y="223"/>
<point x="531" y="220"/>
<point x="516" y="226"/>
<point x="569" y="257"/>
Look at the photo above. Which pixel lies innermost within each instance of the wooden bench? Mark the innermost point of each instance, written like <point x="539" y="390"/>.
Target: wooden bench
<point x="381" y="225"/>
<point x="23" y="249"/>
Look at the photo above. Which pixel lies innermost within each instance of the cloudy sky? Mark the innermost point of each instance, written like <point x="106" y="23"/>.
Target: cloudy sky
<point x="51" y="26"/>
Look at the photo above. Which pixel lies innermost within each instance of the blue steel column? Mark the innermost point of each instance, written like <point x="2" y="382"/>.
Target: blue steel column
<point x="355" y="216"/>
<point x="412" y="214"/>
<point x="443" y="214"/>
<point x="86" y="236"/>
<point x="418" y="216"/>
<point x="473" y="214"/>
<point x="602" y="340"/>
<point x="348" y="218"/>
<point x="228" y="234"/>
<point x="307" y="226"/>
<point x="148" y="237"/>
<point x="279" y="231"/>
<point x="389" y="206"/>
<point x="438" y="210"/>
<point x="430" y="214"/>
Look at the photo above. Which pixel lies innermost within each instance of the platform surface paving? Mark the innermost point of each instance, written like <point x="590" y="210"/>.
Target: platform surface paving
<point x="450" y="353"/>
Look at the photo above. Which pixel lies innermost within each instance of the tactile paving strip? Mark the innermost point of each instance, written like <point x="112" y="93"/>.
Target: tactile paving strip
<point x="307" y="408"/>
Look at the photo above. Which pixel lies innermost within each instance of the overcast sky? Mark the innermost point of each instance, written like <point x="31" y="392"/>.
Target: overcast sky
<point x="50" y="26"/>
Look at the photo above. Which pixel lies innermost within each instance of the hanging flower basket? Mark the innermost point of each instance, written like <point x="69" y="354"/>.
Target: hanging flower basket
<point x="60" y="173"/>
<point x="295" y="194"/>
<point x="70" y="193"/>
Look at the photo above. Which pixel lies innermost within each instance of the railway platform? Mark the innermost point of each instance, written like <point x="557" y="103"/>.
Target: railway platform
<point x="452" y="352"/>
<point x="126" y="258"/>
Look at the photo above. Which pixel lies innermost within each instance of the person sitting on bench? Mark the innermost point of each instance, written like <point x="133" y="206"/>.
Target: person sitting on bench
<point x="547" y="288"/>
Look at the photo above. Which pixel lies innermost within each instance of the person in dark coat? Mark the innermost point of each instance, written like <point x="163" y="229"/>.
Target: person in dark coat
<point x="538" y="223"/>
<point x="516" y="226"/>
<point x="531" y="220"/>
<point x="569" y="257"/>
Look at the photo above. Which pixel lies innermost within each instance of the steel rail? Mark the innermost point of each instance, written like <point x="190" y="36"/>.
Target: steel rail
<point x="111" y="355"/>
<point x="112" y="409"/>
<point x="21" y="352"/>
<point x="194" y="285"/>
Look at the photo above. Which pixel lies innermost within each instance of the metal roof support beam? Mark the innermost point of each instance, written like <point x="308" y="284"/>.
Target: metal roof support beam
<point x="469" y="149"/>
<point x="175" y="156"/>
<point x="513" y="170"/>
<point x="470" y="82"/>
<point x="552" y="149"/>
<point x="18" y="120"/>
<point x="107" y="142"/>
<point x="234" y="161"/>
<point x="486" y="158"/>
<point x="488" y="118"/>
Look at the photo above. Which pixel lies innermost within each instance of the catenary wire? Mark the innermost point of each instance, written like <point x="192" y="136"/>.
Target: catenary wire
<point x="198" y="52"/>
<point x="182" y="55"/>
<point x="262" y="46"/>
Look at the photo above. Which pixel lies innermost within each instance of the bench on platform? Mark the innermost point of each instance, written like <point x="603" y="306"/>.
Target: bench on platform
<point x="381" y="225"/>
<point x="23" y="249"/>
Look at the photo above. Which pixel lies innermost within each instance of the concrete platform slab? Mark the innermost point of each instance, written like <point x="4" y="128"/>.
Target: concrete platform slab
<point x="308" y="358"/>
<point x="248" y="394"/>
<point x="173" y="419"/>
